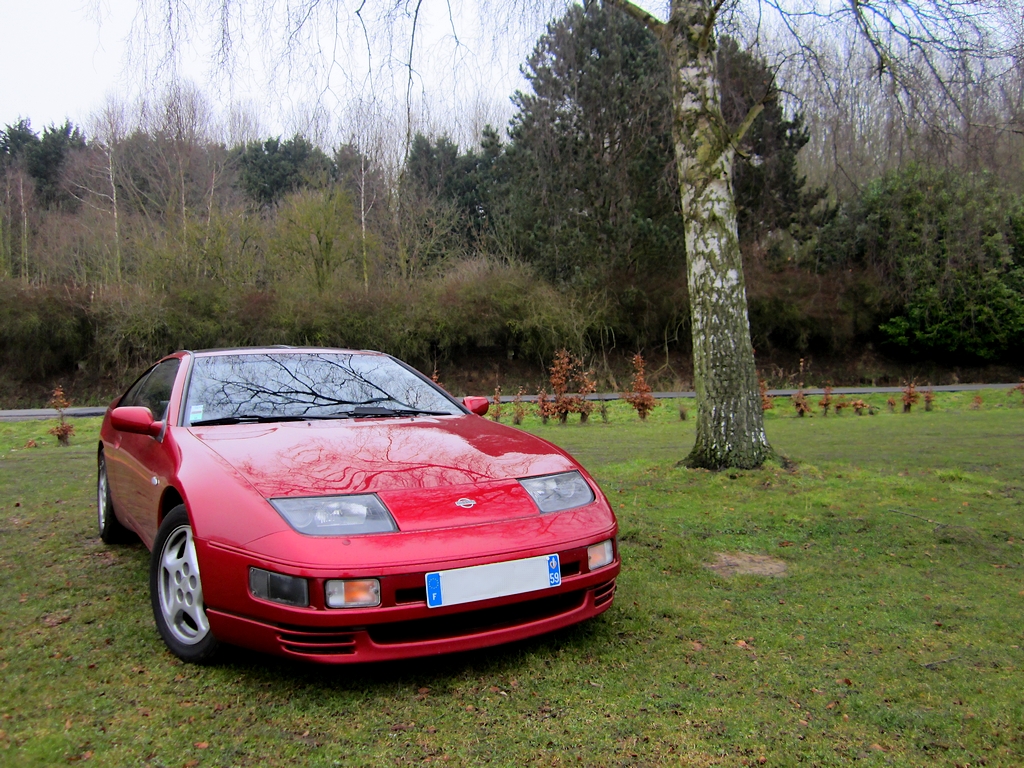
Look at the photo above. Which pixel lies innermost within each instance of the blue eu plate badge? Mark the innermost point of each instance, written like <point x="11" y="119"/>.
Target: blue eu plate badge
<point x="434" y="590"/>
<point x="554" y="571"/>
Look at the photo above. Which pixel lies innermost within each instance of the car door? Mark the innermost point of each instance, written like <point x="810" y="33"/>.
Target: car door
<point x="118" y="475"/>
<point x="138" y="465"/>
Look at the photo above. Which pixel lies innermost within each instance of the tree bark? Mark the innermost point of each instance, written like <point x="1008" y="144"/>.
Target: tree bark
<point x="117" y="223"/>
<point x="24" y="228"/>
<point x="6" y="267"/>
<point x="730" y="421"/>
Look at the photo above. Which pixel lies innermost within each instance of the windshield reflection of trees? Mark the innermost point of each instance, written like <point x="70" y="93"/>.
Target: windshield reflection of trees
<point x="297" y="385"/>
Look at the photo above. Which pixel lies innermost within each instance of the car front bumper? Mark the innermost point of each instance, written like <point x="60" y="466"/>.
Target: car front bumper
<point x="402" y="626"/>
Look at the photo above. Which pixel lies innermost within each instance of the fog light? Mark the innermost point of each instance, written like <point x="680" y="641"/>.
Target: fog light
<point x="278" y="588"/>
<point x="356" y="593"/>
<point x="599" y="555"/>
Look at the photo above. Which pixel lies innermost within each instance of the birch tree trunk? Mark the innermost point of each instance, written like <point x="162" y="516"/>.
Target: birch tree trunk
<point x="117" y="223"/>
<point x="24" y="228"/>
<point x="730" y="421"/>
<point x="6" y="267"/>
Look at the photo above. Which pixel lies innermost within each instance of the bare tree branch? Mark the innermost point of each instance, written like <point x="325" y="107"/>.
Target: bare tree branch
<point x="653" y="23"/>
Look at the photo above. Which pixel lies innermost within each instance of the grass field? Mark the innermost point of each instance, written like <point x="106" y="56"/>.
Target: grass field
<point x="894" y="637"/>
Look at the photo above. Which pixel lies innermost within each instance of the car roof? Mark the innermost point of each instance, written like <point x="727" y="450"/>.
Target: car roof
<point x="277" y="349"/>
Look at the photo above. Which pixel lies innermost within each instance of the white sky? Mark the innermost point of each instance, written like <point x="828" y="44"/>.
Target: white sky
<point x="59" y="61"/>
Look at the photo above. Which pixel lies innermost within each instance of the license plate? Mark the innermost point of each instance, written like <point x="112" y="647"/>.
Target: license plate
<point x="483" y="582"/>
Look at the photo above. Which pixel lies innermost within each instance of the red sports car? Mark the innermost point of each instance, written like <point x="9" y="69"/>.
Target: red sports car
<point x="336" y="506"/>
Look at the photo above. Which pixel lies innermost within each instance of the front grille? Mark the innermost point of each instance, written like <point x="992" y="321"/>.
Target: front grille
<point x="410" y="595"/>
<point x="603" y="593"/>
<point x="317" y="643"/>
<point x="472" y="622"/>
<point x="336" y="642"/>
<point x="569" y="569"/>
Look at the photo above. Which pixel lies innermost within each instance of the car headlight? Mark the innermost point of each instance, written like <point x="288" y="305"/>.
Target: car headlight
<point x="553" y="493"/>
<point x="336" y="515"/>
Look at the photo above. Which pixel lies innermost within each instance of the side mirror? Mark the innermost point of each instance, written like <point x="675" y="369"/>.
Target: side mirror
<point x="136" y="419"/>
<point x="477" y="405"/>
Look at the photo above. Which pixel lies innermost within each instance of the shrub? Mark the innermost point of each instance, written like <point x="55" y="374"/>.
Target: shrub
<point x="800" y="403"/>
<point x="44" y="332"/>
<point x="910" y="396"/>
<point x="1018" y="388"/>
<point x="640" y="396"/>
<point x="859" y="406"/>
<point x="545" y="408"/>
<point x="496" y="404"/>
<point x="567" y="372"/>
<point x="561" y="371"/>
<point x="826" y="401"/>
<point x="63" y="431"/>
<point x="585" y="385"/>
<point x="950" y="259"/>
<point x="518" y="408"/>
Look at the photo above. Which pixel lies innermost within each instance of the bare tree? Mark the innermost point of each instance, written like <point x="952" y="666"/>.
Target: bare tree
<point x="862" y="126"/>
<point x="912" y="42"/>
<point x="25" y="203"/>
<point x="242" y="124"/>
<point x="96" y="175"/>
<point x="6" y="222"/>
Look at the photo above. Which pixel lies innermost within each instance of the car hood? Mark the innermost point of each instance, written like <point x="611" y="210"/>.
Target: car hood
<point x="418" y="466"/>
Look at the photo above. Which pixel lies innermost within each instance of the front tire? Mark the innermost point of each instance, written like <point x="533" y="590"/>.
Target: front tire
<point x="111" y="530"/>
<point x="176" y="590"/>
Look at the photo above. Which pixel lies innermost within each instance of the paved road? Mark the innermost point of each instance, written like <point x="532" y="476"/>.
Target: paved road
<point x="28" y="414"/>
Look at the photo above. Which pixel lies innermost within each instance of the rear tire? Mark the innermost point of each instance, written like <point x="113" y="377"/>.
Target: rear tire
<point x="176" y="591"/>
<point x="111" y="530"/>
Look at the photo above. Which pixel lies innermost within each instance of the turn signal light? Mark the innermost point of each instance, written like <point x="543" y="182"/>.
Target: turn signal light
<point x="599" y="555"/>
<point x="354" y="593"/>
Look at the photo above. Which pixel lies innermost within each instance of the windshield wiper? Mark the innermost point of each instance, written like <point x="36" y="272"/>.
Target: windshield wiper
<point x="360" y="411"/>
<point x="246" y="419"/>
<point x="380" y="410"/>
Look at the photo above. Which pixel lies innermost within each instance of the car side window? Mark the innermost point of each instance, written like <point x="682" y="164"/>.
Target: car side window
<point x="131" y="397"/>
<point x="155" y="391"/>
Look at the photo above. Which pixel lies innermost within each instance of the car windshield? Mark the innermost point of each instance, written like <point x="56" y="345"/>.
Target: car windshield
<point x="230" y="388"/>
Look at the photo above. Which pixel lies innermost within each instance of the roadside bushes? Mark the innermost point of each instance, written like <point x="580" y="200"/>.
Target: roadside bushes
<point x="802" y="307"/>
<point x="44" y="331"/>
<point x="475" y="305"/>
<point x="926" y="262"/>
<point x="948" y="248"/>
<point x="108" y="334"/>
